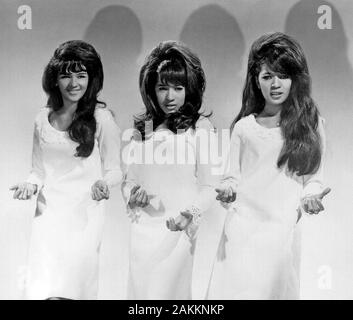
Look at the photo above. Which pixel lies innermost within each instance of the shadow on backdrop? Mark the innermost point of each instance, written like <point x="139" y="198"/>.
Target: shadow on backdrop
<point x="216" y="37"/>
<point x="117" y="35"/>
<point x="327" y="54"/>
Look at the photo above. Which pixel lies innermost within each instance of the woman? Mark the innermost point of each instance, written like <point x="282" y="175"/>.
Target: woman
<point x="75" y="162"/>
<point x="169" y="178"/>
<point x="275" y="173"/>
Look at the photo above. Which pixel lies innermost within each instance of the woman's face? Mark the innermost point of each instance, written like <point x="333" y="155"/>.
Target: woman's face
<point x="275" y="88"/>
<point x="170" y="97"/>
<point x="73" y="85"/>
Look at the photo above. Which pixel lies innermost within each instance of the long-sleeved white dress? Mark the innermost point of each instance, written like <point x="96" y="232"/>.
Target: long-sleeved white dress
<point x="256" y="257"/>
<point x="67" y="227"/>
<point x="176" y="173"/>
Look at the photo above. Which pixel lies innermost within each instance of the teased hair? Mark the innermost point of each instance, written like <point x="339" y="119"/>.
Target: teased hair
<point x="76" y="56"/>
<point x="301" y="151"/>
<point x="174" y="63"/>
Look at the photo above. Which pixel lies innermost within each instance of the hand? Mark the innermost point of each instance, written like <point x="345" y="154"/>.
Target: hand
<point x="138" y="197"/>
<point x="24" y="191"/>
<point x="312" y="203"/>
<point x="226" y="194"/>
<point x="100" y="190"/>
<point x="180" y="222"/>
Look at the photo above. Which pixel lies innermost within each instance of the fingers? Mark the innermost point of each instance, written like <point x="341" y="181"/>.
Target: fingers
<point x="186" y="214"/>
<point x="140" y="198"/>
<point x="24" y="194"/>
<point x="18" y="193"/>
<point x="97" y="194"/>
<point x="145" y="201"/>
<point x="93" y="193"/>
<point x="312" y="206"/>
<point x="133" y="194"/>
<point x="226" y="195"/>
<point x="171" y="225"/>
<point x="182" y="222"/>
<point x="319" y="204"/>
<point x="105" y="191"/>
<point x="134" y="189"/>
<point x="220" y="194"/>
<point x="325" y="192"/>
<point x="23" y="191"/>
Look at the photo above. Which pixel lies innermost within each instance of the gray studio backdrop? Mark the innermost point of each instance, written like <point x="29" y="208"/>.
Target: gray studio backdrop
<point x="124" y="31"/>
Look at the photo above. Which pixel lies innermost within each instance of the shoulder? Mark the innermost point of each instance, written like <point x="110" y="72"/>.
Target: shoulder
<point x="321" y="121"/>
<point x="103" y="115"/>
<point x="321" y="127"/>
<point x="204" y="123"/>
<point x="102" y="112"/>
<point x="42" y="116"/>
<point x="243" y="123"/>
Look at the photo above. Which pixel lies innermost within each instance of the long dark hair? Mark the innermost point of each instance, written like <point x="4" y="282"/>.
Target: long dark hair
<point x="76" y="56"/>
<point x="301" y="151"/>
<point x="174" y="63"/>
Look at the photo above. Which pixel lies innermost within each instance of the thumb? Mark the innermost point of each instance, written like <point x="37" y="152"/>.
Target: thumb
<point x="14" y="187"/>
<point x="186" y="214"/>
<point x="105" y="188"/>
<point x="324" y="193"/>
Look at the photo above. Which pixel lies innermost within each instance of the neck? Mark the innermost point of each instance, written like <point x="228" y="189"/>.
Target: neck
<point x="68" y="108"/>
<point x="271" y="110"/>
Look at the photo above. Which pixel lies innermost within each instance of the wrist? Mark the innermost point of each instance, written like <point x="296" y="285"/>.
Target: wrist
<point x="196" y="214"/>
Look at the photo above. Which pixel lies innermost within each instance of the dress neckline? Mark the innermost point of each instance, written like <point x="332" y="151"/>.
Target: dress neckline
<point x="261" y="126"/>
<point x="47" y="115"/>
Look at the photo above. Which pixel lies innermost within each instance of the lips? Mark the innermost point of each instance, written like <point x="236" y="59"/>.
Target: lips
<point x="276" y="94"/>
<point x="73" y="91"/>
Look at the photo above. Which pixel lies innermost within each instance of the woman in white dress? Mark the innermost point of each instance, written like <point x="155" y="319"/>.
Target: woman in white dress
<point x="169" y="178"/>
<point x="275" y="173"/>
<point x="75" y="162"/>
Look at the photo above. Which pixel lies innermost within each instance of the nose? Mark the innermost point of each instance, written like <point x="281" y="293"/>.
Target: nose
<point x="276" y="82"/>
<point x="73" y="81"/>
<point x="170" y="94"/>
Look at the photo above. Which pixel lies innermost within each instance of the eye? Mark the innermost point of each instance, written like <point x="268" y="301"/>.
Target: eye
<point x="64" y="76"/>
<point x="267" y="77"/>
<point x="82" y="76"/>
<point x="179" y="88"/>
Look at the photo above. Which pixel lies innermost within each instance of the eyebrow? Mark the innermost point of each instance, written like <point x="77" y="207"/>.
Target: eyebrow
<point x="80" y="72"/>
<point x="160" y="84"/>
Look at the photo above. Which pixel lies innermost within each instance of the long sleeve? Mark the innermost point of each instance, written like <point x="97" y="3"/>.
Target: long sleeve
<point x="313" y="184"/>
<point x="130" y="179"/>
<point x="109" y="146"/>
<point x="37" y="173"/>
<point x="207" y="180"/>
<point x="231" y="175"/>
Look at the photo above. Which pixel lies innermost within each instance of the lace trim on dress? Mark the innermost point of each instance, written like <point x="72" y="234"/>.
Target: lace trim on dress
<point x="48" y="133"/>
<point x="250" y="123"/>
